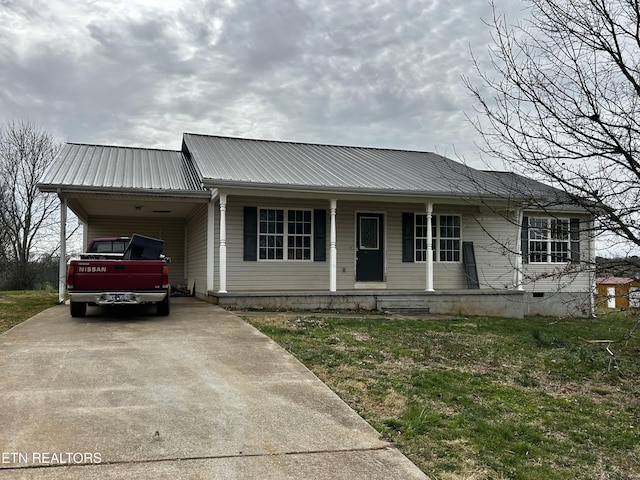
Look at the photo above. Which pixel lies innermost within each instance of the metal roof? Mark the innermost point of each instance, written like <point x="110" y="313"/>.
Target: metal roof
<point x="100" y="167"/>
<point x="225" y="161"/>
<point x="215" y="161"/>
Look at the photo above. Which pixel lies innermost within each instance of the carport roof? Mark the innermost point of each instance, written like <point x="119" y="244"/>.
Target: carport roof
<point x="109" y="168"/>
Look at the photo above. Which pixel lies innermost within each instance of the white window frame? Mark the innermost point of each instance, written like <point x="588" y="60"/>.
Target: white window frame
<point x="544" y="236"/>
<point x="286" y="235"/>
<point x="420" y="254"/>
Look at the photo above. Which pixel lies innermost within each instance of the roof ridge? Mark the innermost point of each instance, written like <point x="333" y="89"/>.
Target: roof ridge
<point x="124" y="146"/>
<point x="312" y="144"/>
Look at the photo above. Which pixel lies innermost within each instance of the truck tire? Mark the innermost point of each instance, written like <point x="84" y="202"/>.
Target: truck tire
<point x="78" y="309"/>
<point x="164" y="307"/>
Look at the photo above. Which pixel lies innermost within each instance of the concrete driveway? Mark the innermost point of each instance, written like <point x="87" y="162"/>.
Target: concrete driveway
<point x="200" y="394"/>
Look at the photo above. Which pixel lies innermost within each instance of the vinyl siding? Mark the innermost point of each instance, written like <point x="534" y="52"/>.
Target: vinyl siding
<point x="265" y="275"/>
<point x="168" y="229"/>
<point x="196" y="249"/>
<point x="493" y="237"/>
<point x="495" y="241"/>
<point x="550" y="277"/>
<point x="314" y="276"/>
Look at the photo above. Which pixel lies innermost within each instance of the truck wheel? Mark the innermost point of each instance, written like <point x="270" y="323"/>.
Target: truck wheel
<point x="78" y="309"/>
<point x="163" y="308"/>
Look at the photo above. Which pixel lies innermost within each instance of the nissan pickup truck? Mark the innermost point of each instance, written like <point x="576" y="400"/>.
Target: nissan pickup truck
<point x="119" y="271"/>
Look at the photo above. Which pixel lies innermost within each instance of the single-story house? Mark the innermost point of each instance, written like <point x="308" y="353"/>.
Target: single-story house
<point x="616" y="292"/>
<point x="259" y="223"/>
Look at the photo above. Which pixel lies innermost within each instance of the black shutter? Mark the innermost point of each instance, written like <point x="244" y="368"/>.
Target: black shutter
<point x="470" y="267"/>
<point x="408" y="237"/>
<point x="574" y="236"/>
<point x="250" y="234"/>
<point x="524" y="239"/>
<point x="319" y="235"/>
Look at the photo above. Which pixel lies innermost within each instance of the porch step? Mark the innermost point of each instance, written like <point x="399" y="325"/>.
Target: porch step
<point x="405" y="305"/>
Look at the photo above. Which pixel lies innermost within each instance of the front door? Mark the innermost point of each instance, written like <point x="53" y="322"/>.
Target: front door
<point x="369" y="247"/>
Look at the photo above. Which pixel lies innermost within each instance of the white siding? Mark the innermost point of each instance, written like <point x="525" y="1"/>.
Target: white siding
<point x="314" y="276"/>
<point x="196" y="249"/>
<point x="170" y="230"/>
<point x="269" y="275"/>
<point x="552" y="277"/>
<point x="494" y="240"/>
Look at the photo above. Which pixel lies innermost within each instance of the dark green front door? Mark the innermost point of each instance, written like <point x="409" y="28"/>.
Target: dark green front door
<point x="369" y="247"/>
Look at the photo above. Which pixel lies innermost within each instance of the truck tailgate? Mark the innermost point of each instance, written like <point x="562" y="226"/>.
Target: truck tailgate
<point x="117" y="275"/>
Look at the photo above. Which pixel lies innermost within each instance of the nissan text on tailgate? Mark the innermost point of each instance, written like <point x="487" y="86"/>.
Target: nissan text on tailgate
<point x="119" y="271"/>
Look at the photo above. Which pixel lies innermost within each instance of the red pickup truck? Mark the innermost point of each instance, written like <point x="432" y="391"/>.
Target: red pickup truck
<point x="119" y="271"/>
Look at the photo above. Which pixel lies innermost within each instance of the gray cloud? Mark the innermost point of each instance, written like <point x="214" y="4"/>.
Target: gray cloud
<point x="366" y="73"/>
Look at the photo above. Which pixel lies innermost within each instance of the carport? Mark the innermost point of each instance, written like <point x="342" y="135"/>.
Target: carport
<point x="117" y="191"/>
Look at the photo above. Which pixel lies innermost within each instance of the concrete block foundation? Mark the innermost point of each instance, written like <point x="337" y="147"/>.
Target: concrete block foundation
<point x="507" y="303"/>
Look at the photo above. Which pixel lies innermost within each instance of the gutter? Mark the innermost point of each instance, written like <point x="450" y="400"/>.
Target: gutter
<point x="335" y="190"/>
<point x="47" y="187"/>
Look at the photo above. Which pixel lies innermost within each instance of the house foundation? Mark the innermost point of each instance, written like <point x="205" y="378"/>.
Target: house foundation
<point x="507" y="303"/>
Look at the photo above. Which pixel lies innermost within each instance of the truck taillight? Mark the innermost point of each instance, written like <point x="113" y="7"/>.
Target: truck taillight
<point x="70" y="271"/>
<point x="165" y="276"/>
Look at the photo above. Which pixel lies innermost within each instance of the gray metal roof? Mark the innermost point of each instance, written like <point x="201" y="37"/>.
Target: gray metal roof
<point x="99" y="167"/>
<point x="213" y="161"/>
<point x="224" y="161"/>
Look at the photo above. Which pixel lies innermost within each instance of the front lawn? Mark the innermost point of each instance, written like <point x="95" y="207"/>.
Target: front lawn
<point x="484" y="398"/>
<point x="16" y="307"/>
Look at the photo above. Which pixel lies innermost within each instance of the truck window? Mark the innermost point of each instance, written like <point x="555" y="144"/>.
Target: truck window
<point x="109" y="246"/>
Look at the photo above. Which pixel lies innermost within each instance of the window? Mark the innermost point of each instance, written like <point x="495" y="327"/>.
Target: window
<point x="549" y="240"/>
<point x="449" y="238"/>
<point x="109" y="246"/>
<point x="299" y="235"/>
<point x="273" y="236"/>
<point x="421" y="237"/>
<point x="445" y="232"/>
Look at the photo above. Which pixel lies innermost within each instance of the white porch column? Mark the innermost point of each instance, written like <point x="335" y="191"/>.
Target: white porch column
<point x="211" y="230"/>
<point x="429" y="287"/>
<point x="223" y="243"/>
<point x="62" y="271"/>
<point x="333" y="254"/>
<point x="517" y="274"/>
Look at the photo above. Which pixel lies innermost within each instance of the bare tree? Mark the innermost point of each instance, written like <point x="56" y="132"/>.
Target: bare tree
<point x="560" y="102"/>
<point x="25" y="152"/>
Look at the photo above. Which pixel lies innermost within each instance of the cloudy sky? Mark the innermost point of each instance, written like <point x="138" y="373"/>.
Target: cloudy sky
<point x="381" y="73"/>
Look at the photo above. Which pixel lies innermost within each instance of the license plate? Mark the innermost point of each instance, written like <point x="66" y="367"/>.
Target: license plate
<point x="117" y="297"/>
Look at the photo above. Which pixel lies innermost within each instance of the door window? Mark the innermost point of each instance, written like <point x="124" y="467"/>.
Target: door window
<point x="369" y="228"/>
